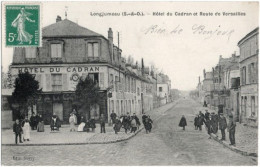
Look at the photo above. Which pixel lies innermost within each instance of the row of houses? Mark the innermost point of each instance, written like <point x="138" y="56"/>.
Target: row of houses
<point x="233" y="83"/>
<point x="70" y="51"/>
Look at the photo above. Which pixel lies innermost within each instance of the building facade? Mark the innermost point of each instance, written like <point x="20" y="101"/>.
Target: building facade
<point x="249" y="77"/>
<point x="70" y="52"/>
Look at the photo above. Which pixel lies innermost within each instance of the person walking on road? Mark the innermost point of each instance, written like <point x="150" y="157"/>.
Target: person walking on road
<point x="232" y="130"/>
<point x="133" y="125"/>
<point x="40" y="127"/>
<point x="17" y="129"/>
<point x="196" y="121"/>
<point x="143" y="118"/>
<point x="148" y="124"/>
<point x="126" y="123"/>
<point x="137" y="120"/>
<point x="222" y="126"/>
<point x="102" y="124"/>
<point x="214" y="122"/>
<point x="183" y="122"/>
<point x="200" y="121"/>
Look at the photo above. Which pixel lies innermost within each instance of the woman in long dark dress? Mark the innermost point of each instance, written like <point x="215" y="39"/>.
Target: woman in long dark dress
<point x="117" y="125"/>
<point x="183" y="122"/>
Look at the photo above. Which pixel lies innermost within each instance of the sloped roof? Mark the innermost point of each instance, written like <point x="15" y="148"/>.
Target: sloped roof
<point x="67" y="28"/>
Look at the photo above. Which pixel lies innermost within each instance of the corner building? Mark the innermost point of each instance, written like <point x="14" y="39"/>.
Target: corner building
<point x="69" y="52"/>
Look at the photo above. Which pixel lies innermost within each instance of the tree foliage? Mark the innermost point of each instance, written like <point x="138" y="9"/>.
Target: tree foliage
<point x="87" y="92"/>
<point x="26" y="90"/>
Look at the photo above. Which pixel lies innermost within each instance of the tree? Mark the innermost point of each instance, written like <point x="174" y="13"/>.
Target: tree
<point x="87" y="94"/>
<point x="26" y="91"/>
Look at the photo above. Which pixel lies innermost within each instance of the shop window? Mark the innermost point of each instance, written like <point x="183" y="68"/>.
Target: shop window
<point x="93" y="49"/>
<point x="30" y="52"/>
<point x="94" y="77"/>
<point x="56" y="50"/>
<point x="56" y="80"/>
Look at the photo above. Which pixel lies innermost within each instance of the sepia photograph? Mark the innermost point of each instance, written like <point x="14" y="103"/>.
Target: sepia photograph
<point x="136" y="83"/>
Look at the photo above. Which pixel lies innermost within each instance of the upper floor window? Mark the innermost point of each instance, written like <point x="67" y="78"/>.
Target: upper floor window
<point x="93" y="49"/>
<point x="94" y="77"/>
<point x="30" y="52"/>
<point x="56" y="80"/>
<point x="160" y="89"/>
<point x="56" y="50"/>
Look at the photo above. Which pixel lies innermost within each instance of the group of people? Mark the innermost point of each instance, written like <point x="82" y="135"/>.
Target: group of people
<point x="130" y="123"/>
<point x="213" y="122"/>
<point x="22" y="127"/>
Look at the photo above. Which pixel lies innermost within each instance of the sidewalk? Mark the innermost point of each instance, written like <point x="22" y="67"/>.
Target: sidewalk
<point x="246" y="137"/>
<point x="65" y="137"/>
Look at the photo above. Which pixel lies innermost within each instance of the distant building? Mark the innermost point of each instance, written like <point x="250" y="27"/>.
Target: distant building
<point x="163" y="88"/>
<point x="249" y="77"/>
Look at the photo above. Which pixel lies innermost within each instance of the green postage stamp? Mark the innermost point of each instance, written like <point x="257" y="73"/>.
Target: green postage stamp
<point x="22" y="25"/>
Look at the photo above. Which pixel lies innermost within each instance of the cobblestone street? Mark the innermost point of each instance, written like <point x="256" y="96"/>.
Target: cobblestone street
<point x="167" y="144"/>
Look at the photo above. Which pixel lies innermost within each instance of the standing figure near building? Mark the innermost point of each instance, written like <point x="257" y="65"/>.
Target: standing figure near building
<point x="183" y="122"/>
<point x="196" y="121"/>
<point x="26" y="129"/>
<point x="92" y="123"/>
<point x="117" y="125"/>
<point x="75" y="115"/>
<point x="17" y="129"/>
<point x="209" y="124"/>
<point x="126" y="123"/>
<point x="33" y="122"/>
<point x="148" y="124"/>
<point x="214" y="122"/>
<point x="222" y="126"/>
<point x="55" y="122"/>
<point x="102" y="124"/>
<point x="40" y="127"/>
<point x="133" y="124"/>
<point x="143" y="118"/>
<point x="232" y="130"/>
<point x="113" y="116"/>
<point x="72" y="122"/>
<point x="137" y="120"/>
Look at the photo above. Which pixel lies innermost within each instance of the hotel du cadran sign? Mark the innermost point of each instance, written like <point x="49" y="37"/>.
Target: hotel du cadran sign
<point x="73" y="72"/>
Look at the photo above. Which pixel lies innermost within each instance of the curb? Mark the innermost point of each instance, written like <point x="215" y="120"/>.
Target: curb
<point x="85" y="143"/>
<point x="232" y="147"/>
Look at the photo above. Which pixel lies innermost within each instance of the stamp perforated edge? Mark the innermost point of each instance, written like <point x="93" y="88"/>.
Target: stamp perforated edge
<point x="4" y="22"/>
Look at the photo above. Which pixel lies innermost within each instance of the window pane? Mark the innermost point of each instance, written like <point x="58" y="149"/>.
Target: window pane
<point x="95" y="45"/>
<point x="90" y="50"/>
<point x="56" y="80"/>
<point x="56" y="50"/>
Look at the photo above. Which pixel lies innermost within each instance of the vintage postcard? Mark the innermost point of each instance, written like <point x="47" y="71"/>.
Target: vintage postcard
<point x="129" y="83"/>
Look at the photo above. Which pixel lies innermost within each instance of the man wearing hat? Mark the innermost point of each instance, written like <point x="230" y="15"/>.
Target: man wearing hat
<point x="222" y="126"/>
<point x="231" y="130"/>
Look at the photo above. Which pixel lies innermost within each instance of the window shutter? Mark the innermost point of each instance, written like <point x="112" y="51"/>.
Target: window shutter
<point x="64" y="82"/>
<point x="101" y="80"/>
<point x="249" y="73"/>
<point x="48" y="82"/>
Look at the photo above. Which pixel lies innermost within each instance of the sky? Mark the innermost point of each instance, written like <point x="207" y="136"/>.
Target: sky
<point x="180" y="45"/>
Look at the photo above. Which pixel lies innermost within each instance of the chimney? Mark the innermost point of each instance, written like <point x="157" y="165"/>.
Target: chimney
<point x="110" y="42"/>
<point x="199" y="79"/>
<point x="220" y="56"/>
<point x="58" y="19"/>
<point x="204" y="73"/>
<point x="110" y="34"/>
